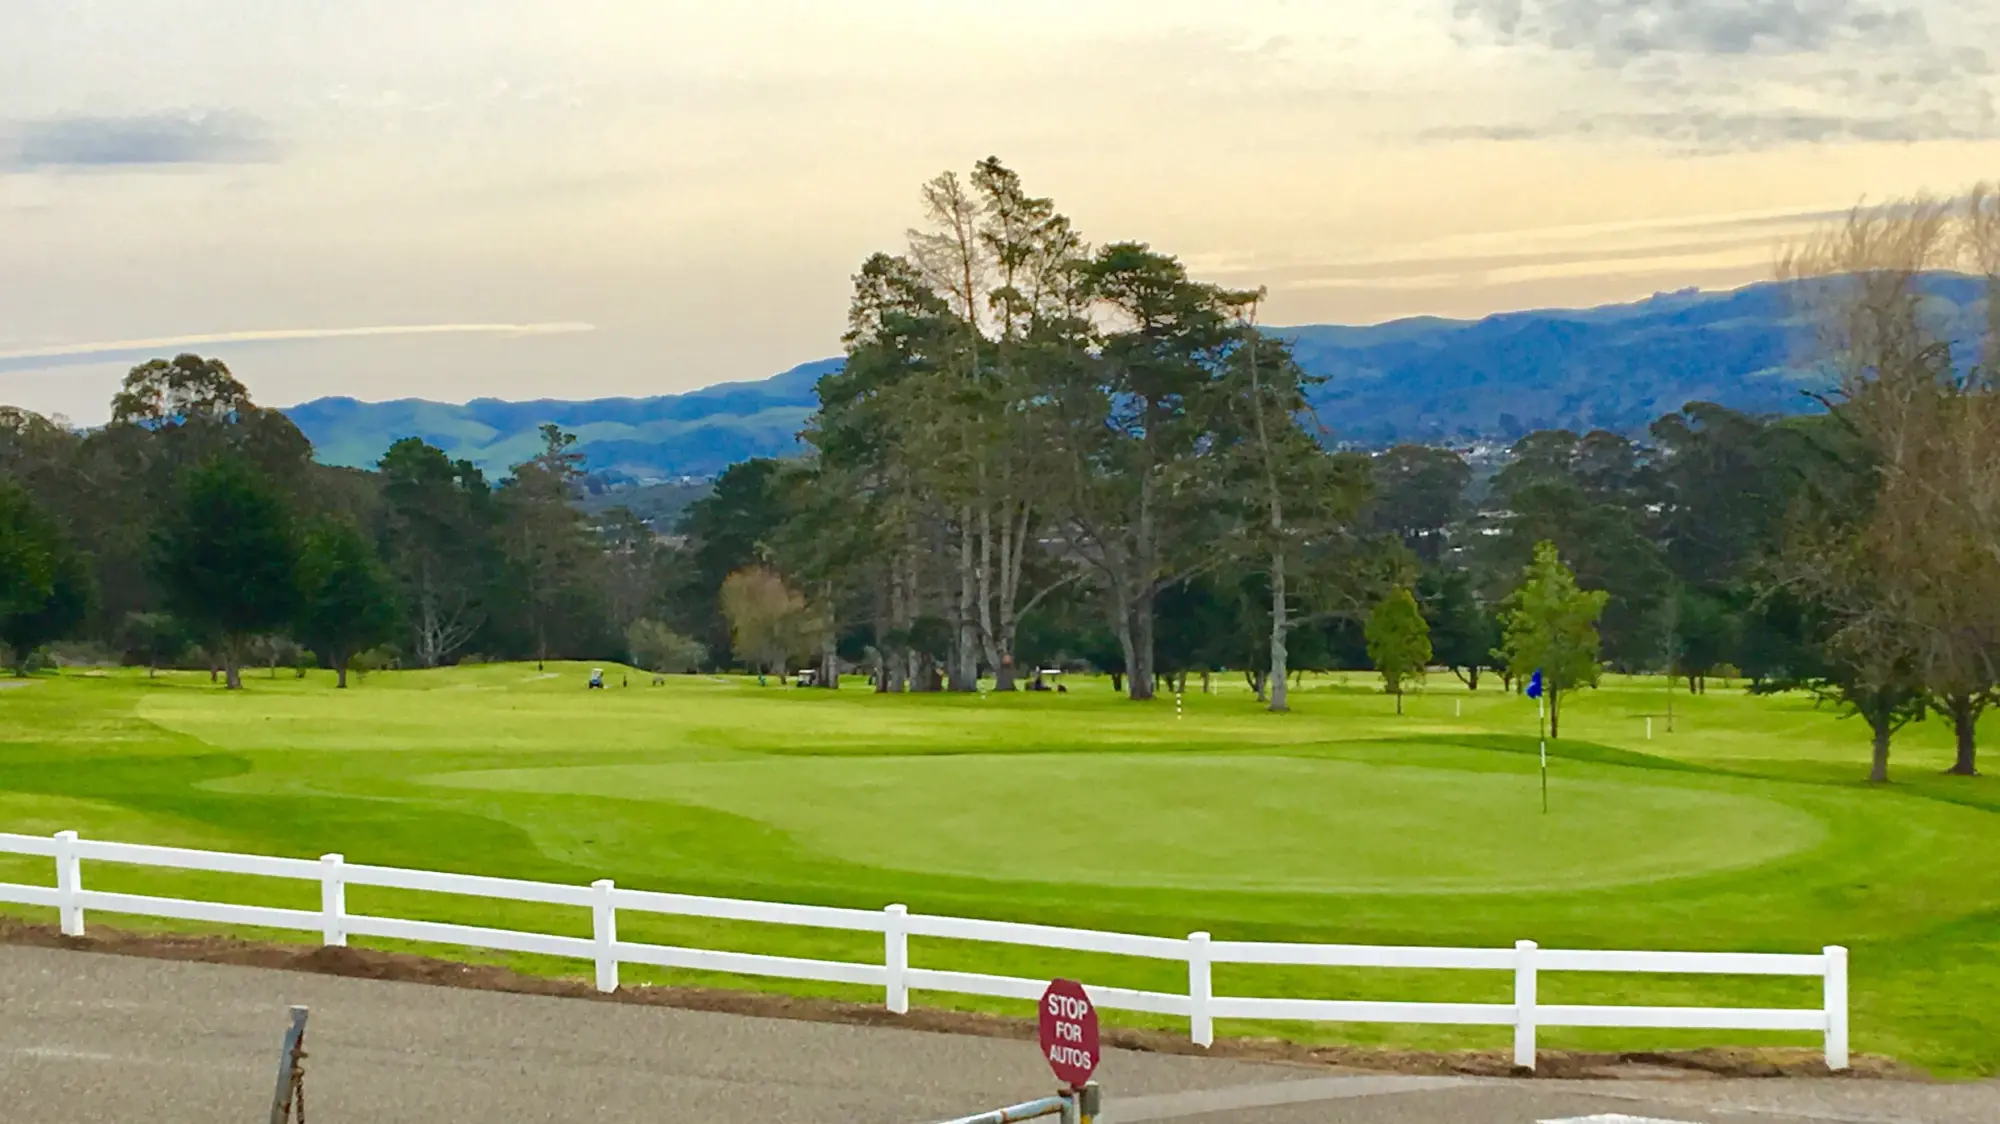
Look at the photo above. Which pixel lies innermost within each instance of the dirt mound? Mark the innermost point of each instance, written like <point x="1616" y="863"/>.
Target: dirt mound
<point x="373" y="964"/>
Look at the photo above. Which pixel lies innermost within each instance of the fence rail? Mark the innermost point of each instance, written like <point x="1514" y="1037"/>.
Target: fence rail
<point x="897" y="978"/>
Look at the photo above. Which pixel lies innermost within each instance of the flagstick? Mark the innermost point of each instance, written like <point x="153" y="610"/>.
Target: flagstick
<point x="1542" y="726"/>
<point x="1545" y="766"/>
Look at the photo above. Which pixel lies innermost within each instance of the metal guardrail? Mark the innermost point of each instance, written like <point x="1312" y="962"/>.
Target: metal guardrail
<point x="1075" y="1106"/>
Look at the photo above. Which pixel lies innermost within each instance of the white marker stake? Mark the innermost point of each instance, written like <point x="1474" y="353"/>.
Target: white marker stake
<point x="1455" y="711"/>
<point x="1649" y="729"/>
<point x="1545" y="775"/>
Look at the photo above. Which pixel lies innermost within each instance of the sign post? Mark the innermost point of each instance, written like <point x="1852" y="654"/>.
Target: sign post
<point x="288" y="1103"/>
<point x="1069" y="1043"/>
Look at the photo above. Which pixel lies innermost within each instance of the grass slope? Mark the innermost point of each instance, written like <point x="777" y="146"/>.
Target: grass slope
<point x="1743" y="829"/>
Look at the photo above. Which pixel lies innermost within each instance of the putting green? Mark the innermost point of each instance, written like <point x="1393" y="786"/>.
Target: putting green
<point x="1217" y="821"/>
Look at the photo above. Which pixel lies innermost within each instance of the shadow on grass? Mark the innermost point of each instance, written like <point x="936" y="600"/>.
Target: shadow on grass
<point x="1977" y="793"/>
<point x="1566" y="750"/>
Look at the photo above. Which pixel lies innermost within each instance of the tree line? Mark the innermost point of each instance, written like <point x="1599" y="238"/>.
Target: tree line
<point x="1041" y="452"/>
<point x="195" y="527"/>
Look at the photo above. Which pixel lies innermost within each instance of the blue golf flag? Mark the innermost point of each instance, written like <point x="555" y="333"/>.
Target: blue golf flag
<point x="1535" y="685"/>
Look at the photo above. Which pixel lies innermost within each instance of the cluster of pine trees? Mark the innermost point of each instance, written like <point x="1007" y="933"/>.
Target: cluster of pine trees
<point x="1042" y="450"/>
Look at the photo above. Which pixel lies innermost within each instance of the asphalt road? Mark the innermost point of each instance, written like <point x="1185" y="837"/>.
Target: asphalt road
<point x="89" y="1038"/>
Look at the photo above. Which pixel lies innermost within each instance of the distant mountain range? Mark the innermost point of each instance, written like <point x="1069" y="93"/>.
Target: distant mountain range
<point x="1425" y="379"/>
<point x="695" y="434"/>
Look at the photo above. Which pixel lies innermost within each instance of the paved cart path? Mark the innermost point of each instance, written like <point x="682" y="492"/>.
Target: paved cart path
<point x="89" y="1038"/>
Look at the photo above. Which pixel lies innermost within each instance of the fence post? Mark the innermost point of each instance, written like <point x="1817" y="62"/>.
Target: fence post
<point x="1524" y="1004"/>
<point x="1201" y="989"/>
<point x="896" y="957"/>
<point x="1836" y="1007"/>
<point x="604" y="928"/>
<point x="333" y="901"/>
<point x="69" y="883"/>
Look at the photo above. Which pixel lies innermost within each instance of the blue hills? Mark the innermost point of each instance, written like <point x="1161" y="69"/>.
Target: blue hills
<point x="694" y="434"/>
<point x="1422" y="379"/>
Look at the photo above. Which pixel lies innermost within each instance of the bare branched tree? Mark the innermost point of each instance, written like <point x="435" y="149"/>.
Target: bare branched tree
<point x="1902" y="563"/>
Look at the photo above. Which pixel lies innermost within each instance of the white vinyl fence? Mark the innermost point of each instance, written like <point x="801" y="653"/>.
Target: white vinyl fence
<point x="897" y="978"/>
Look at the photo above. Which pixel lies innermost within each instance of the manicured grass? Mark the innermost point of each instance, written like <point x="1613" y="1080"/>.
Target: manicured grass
<point x="1745" y="828"/>
<point x="1216" y="822"/>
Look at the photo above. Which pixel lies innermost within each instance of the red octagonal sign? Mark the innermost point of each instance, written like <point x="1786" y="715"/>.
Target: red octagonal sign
<point x="1069" y="1032"/>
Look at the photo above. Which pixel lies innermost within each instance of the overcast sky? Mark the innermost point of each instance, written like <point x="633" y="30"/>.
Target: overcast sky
<point x="583" y="198"/>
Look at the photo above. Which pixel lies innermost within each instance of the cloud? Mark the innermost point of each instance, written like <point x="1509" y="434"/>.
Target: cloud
<point x="1573" y="243"/>
<point x="1705" y="130"/>
<point x="71" y="354"/>
<point x="1577" y="264"/>
<point x="1447" y="264"/>
<point x="1722" y="75"/>
<point x="151" y="140"/>
<point x="1615" y="30"/>
<point x="1591" y="260"/>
